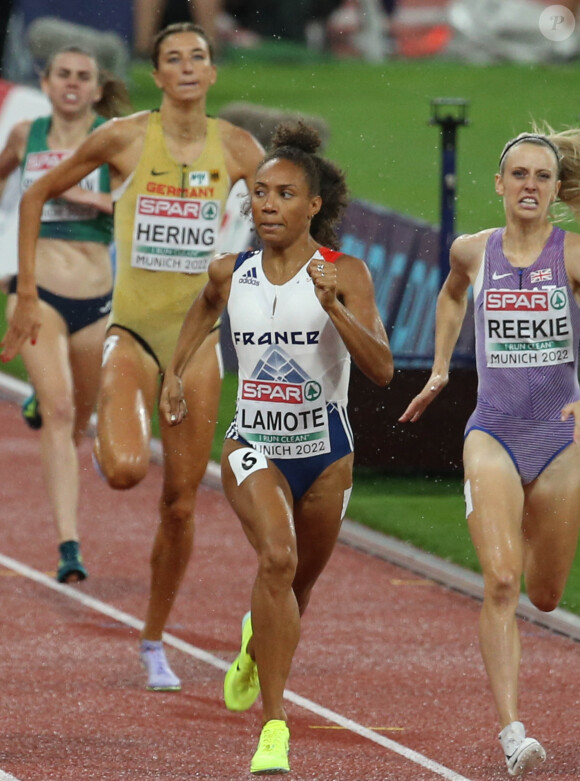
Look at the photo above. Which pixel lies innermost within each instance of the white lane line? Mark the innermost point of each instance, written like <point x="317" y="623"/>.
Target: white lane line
<point x="214" y="661"/>
<point x="7" y="777"/>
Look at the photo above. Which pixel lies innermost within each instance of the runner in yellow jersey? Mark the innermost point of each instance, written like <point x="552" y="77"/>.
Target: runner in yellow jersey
<point x="167" y="219"/>
<point x="171" y="172"/>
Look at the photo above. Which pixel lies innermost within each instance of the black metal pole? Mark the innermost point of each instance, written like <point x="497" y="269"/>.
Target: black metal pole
<point x="448" y="122"/>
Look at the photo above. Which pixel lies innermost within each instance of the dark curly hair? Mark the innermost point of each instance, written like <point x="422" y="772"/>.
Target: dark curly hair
<point x="297" y="142"/>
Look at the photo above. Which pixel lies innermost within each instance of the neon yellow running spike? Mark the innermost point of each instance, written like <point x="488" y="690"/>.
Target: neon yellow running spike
<point x="241" y="684"/>
<point x="271" y="756"/>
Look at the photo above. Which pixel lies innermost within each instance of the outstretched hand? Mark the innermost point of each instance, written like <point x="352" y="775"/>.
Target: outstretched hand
<point x="419" y="404"/>
<point x="24" y="324"/>
<point x="573" y="409"/>
<point x="172" y="402"/>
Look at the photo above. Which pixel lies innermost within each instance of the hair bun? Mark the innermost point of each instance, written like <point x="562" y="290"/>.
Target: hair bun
<point x="296" y="134"/>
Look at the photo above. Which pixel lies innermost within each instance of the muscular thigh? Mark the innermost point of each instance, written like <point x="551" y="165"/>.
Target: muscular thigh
<point x="47" y="361"/>
<point x="318" y="514"/>
<point x="129" y="380"/>
<point x="86" y="350"/>
<point x="494" y="498"/>
<point x="552" y="513"/>
<point x="259" y="495"/>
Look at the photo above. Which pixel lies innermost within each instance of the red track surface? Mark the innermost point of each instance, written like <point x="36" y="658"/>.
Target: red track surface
<point x="380" y="647"/>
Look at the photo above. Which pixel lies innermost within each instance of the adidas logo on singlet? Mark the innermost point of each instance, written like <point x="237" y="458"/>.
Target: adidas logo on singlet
<point x="249" y="278"/>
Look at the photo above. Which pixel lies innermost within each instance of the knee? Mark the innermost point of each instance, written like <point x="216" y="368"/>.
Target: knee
<point x="124" y="471"/>
<point x="544" y="596"/>
<point x="177" y="515"/>
<point x="277" y="564"/>
<point x="58" y="413"/>
<point x="502" y="587"/>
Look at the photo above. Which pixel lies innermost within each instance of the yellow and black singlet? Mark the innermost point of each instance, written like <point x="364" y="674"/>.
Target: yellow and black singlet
<point x="167" y="218"/>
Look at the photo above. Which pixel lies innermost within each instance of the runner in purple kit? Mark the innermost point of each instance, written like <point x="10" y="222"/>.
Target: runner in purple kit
<point x="521" y="453"/>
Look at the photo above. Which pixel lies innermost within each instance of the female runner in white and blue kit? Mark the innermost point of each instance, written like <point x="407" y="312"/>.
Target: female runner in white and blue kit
<point x="298" y="310"/>
<point x="522" y="443"/>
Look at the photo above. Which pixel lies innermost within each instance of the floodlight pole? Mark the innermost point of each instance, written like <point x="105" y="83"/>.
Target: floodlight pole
<point x="449" y="114"/>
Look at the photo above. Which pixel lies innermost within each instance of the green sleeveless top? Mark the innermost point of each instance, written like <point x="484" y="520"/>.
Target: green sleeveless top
<point x="62" y="219"/>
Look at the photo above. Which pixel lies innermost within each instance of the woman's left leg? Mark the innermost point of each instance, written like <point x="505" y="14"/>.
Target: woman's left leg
<point x="317" y="519"/>
<point x="551" y="524"/>
<point x="186" y="452"/>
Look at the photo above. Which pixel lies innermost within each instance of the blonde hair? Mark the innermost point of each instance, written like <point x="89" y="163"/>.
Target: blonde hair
<point x="568" y="143"/>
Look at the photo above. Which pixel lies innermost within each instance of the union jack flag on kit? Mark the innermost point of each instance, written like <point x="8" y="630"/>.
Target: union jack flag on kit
<point x="543" y="275"/>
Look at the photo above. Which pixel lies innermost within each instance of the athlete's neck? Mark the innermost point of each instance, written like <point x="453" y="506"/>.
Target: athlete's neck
<point x="522" y="246"/>
<point x="69" y="132"/>
<point x="283" y="263"/>
<point x="182" y="122"/>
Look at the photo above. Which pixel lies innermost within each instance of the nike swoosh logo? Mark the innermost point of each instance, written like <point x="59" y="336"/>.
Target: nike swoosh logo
<point x="158" y="173"/>
<point x="495" y="276"/>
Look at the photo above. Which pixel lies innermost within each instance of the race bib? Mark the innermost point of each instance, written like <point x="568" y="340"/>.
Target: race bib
<point x="59" y="209"/>
<point x="174" y="234"/>
<point x="527" y="328"/>
<point x="284" y="417"/>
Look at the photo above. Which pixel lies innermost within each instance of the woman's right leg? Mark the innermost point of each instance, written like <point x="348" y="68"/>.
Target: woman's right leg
<point x="494" y="490"/>
<point x="263" y="503"/>
<point x="126" y="399"/>
<point x="47" y="364"/>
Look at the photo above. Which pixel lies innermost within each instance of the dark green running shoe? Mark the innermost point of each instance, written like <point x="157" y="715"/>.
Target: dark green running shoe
<point x="70" y="566"/>
<point x="30" y="412"/>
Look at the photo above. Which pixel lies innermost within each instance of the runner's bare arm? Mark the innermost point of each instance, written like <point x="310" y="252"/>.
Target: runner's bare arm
<point x="242" y="152"/>
<point x="465" y="257"/>
<point x="199" y="320"/>
<point x="345" y="291"/>
<point x="13" y="153"/>
<point x="102" y="201"/>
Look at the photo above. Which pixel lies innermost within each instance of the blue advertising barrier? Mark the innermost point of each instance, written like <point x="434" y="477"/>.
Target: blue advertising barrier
<point x="402" y="255"/>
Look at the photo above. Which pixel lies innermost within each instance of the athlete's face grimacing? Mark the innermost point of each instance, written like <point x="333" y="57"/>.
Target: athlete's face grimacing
<point x="282" y="206"/>
<point x="185" y="70"/>
<point x="72" y="83"/>
<point x="529" y="183"/>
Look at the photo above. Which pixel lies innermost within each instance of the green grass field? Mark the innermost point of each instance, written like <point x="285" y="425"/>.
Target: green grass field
<point x="380" y="134"/>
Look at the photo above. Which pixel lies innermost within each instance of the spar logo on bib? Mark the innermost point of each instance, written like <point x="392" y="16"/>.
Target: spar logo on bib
<point x="558" y="299"/>
<point x="170" y="207"/>
<point x="286" y="392"/>
<point x="209" y="211"/>
<point x="516" y="300"/>
<point x="312" y="390"/>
